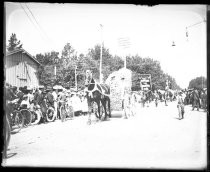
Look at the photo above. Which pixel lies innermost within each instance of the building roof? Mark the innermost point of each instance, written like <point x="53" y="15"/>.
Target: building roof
<point x="23" y="51"/>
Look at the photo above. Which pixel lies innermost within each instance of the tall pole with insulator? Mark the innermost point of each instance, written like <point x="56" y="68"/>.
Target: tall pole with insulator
<point x="101" y="55"/>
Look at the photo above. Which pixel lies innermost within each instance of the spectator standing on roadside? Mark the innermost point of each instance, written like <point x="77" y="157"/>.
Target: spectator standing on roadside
<point x="84" y="104"/>
<point x="55" y="100"/>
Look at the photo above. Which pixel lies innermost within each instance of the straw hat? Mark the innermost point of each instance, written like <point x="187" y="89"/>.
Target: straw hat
<point x="41" y="87"/>
<point x="29" y="88"/>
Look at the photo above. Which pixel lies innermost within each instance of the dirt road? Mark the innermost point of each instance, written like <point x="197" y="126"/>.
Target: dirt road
<point x="154" y="138"/>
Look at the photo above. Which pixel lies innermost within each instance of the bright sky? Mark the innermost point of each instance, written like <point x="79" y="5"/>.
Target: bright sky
<point x="150" y="31"/>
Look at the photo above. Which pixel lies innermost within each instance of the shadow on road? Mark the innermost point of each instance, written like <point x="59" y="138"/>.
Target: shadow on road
<point x="176" y="118"/>
<point x="14" y="132"/>
<point x="10" y="155"/>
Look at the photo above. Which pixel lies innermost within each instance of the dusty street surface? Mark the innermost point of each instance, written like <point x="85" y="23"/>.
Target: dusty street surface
<point x="154" y="138"/>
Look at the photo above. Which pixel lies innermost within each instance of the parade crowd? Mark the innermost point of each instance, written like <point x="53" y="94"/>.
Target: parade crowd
<point x="44" y="97"/>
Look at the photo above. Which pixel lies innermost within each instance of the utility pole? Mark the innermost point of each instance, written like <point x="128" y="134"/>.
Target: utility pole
<point x="101" y="55"/>
<point x="55" y="68"/>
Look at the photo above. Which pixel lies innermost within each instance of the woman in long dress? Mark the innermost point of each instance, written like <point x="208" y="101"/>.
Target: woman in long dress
<point x="84" y="105"/>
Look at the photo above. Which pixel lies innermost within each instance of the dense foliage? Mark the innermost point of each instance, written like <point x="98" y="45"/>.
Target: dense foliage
<point x="70" y="68"/>
<point x="70" y="62"/>
<point x="199" y="82"/>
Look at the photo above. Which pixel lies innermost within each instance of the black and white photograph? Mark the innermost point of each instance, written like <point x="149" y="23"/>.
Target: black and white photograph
<point x="105" y="86"/>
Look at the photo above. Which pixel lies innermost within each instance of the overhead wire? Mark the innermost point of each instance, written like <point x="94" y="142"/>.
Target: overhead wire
<point x="38" y="27"/>
<point x="38" y="23"/>
<point x="27" y="15"/>
<point x="196" y="24"/>
<point x="187" y="33"/>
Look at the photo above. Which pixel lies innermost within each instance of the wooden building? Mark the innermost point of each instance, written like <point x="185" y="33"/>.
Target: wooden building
<point x="21" y="69"/>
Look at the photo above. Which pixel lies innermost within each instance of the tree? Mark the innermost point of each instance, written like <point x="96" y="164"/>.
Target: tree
<point x="14" y="43"/>
<point x="46" y="70"/>
<point x="68" y="56"/>
<point x="95" y="52"/>
<point x="94" y="56"/>
<point x="68" y="64"/>
<point x="198" y="82"/>
<point x="147" y="65"/>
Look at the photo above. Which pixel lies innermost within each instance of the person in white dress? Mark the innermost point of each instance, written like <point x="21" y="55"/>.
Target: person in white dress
<point x="76" y="103"/>
<point x="84" y="104"/>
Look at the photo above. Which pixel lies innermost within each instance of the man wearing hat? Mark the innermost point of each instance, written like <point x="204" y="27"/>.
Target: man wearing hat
<point x="38" y="96"/>
<point x="30" y="95"/>
<point x="61" y="99"/>
<point x="49" y="97"/>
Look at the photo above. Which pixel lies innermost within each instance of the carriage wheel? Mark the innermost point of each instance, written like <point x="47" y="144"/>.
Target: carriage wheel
<point x="50" y="114"/>
<point x="27" y="117"/>
<point x="95" y="109"/>
<point x="36" y="117"/>
<point x="103" y="112"/>
<point x="18" y="121"/>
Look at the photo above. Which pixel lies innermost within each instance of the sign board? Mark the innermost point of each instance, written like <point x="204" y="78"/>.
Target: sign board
<point x="145" y="81"/>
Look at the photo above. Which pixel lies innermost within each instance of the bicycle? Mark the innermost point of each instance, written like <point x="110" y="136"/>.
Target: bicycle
<point x="24" y="110"/>
<point x="36" y="114"/>
<point x="16" y="119"/>
<point x="69" y="110"/>
<point x="50" y="114"/>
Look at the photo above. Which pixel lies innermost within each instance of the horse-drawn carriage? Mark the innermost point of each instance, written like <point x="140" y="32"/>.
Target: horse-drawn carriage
<point x="116" y="89"/>
<point x="97" y="97"/>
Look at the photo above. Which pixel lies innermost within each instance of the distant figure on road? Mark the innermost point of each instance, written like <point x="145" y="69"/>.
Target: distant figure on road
<point x="156" y="97"/>
<point x="180" y="105"/>
<point x="196" y="99"/>
<point x="204" y="99"/>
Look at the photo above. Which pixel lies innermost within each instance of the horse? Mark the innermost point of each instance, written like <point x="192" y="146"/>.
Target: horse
<point x="161" y="94"/>
<point x="98" y="93"/>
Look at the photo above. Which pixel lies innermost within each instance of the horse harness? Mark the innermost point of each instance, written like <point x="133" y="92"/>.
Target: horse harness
<point x="101" y="90"/>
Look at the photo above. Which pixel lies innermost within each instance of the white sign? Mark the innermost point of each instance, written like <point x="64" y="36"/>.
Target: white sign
<point x="144" y="80"/>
